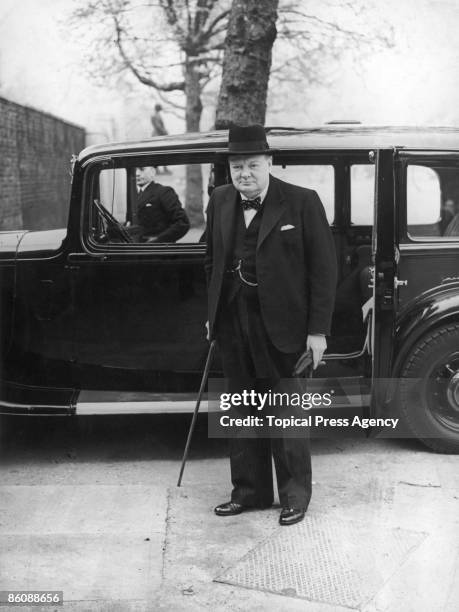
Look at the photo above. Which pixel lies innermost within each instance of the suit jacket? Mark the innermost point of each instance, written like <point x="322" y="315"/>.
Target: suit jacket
<point x="295" y="261"/>
<point x="160" y="213"/>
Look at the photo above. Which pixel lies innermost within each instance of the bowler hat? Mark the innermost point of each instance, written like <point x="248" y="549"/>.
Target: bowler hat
<point x="248" y="140"/>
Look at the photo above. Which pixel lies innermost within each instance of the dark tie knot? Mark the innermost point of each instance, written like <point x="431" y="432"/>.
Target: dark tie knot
<point x="255" y="203"/>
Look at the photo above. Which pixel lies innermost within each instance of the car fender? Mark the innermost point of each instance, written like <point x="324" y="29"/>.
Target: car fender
<point x="436" y="307"/>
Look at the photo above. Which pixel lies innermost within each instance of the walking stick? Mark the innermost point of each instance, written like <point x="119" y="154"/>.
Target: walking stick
<point x="205" y="375"/>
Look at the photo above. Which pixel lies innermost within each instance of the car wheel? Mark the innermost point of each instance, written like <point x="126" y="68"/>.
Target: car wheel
<point x="429" y="389"/>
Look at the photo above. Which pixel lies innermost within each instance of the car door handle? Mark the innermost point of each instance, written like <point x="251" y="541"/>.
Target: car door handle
<point x="399" y="283"/>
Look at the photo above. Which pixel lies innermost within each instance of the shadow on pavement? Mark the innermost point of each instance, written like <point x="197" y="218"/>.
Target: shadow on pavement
<point x="132" y="437"/>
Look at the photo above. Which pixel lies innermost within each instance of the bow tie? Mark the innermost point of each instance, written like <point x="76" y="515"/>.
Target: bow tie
<point x="248" y="204"/>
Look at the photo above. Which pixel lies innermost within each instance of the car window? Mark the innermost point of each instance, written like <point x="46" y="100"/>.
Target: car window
<point x="432" y="196"/>
<point x="113" y="191"/>
<point x="362" y="194"/>
<point x="149" y="205"/>
<point x="321" y="178"/>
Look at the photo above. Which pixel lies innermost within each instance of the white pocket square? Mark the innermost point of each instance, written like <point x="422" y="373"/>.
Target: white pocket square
<point x="286" y="227"/>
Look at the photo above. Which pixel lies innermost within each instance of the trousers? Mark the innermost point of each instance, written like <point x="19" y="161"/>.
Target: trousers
<point x="251" y="361"/>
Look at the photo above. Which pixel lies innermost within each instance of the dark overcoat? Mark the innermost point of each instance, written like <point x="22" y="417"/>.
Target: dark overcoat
<point x="160" y="213"/>
<point x="295" y="261"/>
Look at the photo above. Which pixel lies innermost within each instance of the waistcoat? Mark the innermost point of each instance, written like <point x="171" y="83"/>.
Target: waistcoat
<point x="244" y="251"/>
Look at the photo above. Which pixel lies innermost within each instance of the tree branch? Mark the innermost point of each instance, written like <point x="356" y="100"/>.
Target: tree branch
<point x="173" y="20"/>
<point x="169" y="102"/>
<point x="328" y="24"/>
<point x="146" y="80"/>
<point x="188" y="16"/>
<point x="209" y="32"/>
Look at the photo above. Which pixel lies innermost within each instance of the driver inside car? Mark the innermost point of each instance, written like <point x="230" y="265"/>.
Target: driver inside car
<point x="158" y="214"/>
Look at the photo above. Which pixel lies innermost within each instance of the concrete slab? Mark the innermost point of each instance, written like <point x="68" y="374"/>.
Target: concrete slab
<point x="380" y="492"/>
<point x="452" y="595"/>
<point x="449" y="473"/>
<point x="425" y="583"/>
<point x="225" y="598"/>
<point x="416" y="469"/>
<point x="200" y="545"/>
<point x="95" y="543"/>
<point x="82" y="509"/>
<point x="424" y="508"/>
<point x="93" y="500"/>
<point x="89" y="567"/>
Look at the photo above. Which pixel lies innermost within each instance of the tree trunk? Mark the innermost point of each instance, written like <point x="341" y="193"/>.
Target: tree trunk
<point x="247" y="62"/>
<point x="193" y="111"/>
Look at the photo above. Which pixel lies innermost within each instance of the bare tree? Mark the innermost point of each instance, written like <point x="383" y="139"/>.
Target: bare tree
<point x="247" y="62"/>
<point x="311" y="36"/>
<point x="168" y="45"/>
<point x="318" y="32"/>
<point x="171" y="46"/>
<point x="175" y="47"/>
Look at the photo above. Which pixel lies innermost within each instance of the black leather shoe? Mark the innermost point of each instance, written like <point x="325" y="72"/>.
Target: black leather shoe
<point x="229" y="509"/>
<point x="290" y="516"/>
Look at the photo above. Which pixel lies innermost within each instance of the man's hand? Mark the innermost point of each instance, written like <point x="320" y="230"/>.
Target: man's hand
<point x="317" y="344"/>
<point x="207" y="330"/>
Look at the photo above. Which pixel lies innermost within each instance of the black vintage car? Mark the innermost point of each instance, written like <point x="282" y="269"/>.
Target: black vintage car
<point x="96" y="321"/>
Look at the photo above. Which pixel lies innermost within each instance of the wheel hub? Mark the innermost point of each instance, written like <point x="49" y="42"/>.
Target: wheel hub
<point x="452" y="392"/>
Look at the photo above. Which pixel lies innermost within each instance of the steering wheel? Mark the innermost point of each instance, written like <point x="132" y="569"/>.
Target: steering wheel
<point x="114" y="227"/>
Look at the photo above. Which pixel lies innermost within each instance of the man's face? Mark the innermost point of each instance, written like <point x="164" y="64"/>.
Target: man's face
<point x="144" y="175"/>
<point x="250" y="173"/>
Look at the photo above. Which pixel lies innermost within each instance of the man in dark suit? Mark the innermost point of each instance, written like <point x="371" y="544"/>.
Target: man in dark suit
<point x="159" y="213"/>
<point x="271" y="270"/>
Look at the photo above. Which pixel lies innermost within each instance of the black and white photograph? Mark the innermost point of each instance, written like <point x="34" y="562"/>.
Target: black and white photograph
<point x="229" y="305"/>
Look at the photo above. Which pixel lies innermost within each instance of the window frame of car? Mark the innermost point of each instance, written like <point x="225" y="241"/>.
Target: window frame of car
<point x="428" y="159"/>
<point x="124" y="160"/>
<point x="341" y="162"/>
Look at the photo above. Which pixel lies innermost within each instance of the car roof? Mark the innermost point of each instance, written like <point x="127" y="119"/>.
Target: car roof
<point x="328" y="137"/>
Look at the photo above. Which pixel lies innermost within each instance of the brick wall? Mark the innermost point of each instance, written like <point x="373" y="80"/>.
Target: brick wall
<point x="35" y="151"/>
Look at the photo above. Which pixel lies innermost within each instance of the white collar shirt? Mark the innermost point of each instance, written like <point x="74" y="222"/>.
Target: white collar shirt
<point x="142" y="189"/>
<point x="251" y="212"/>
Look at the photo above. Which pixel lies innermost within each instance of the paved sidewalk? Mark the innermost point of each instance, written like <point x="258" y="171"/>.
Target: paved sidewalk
<point x="381" y="534"/>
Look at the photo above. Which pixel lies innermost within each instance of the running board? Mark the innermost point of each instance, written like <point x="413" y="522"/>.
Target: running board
<point x="121" y="402"/>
